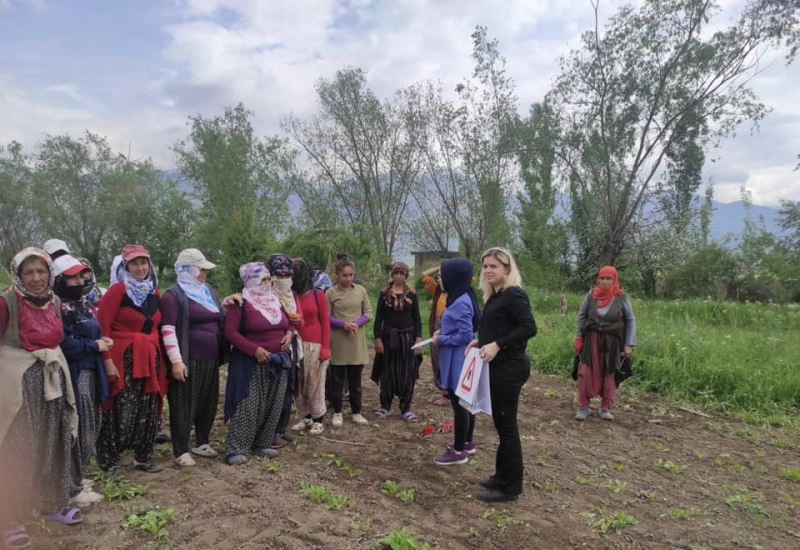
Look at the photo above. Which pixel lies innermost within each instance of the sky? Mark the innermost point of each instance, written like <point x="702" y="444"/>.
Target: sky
<point x="134" y="71"/>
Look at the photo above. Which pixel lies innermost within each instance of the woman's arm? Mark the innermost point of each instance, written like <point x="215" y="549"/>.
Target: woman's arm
<point x="630" y="323"/>
<point x="325" y="323"/>
<point x="461" y="314"/>
<point x="583" y="313"/>
<point x="377" y="327"/>
<point x="415" y="316"/>
<point x="108" y="310"/>
<point x="518" y="308"/>
<point x="4" y="315"/>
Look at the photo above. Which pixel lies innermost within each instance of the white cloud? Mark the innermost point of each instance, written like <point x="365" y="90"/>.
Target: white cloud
<point x="269" y="54"/>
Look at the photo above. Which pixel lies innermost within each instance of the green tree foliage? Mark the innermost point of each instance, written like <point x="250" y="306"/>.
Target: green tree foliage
<point x="19" y="226"/>
<point x="545" y="246"/>
<point x="236" y="178"/>
<point x="638" y="98"/>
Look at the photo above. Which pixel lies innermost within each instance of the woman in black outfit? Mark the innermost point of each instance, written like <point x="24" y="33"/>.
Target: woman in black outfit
<point x="506" y="326"/>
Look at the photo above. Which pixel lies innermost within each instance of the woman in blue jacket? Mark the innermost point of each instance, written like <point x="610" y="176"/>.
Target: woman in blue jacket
<point x="459" y="324"/>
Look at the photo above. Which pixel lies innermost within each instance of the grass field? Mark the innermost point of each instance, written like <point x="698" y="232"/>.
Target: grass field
<point x="741" y="358"/>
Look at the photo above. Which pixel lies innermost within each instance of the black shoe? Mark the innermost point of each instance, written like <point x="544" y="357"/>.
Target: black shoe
<point x="149" y="466"/>
<point x="279" y="442"/>
<point x="495" y="495"/>
<point x="161" y="438"/>
<point x="488" y="483"/>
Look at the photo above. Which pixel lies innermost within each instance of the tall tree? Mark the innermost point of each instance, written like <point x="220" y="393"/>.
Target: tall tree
<point x="363" y="156"/>
<point x="543" y="237"/>
<point x="235" y="176"/>
<point x="628" y="97"/>
<point x="89" y="193"/>
<point x="467" y="150"/>
<point x="19" y="226"/>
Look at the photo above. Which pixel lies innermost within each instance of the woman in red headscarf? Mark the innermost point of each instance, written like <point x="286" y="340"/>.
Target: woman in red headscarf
<point x="606" y="331"/>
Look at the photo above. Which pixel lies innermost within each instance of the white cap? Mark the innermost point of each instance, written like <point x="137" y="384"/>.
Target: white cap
<point x="67" y="265"/>
<point x="54" y="245"/>
<point x="192" y="256"/>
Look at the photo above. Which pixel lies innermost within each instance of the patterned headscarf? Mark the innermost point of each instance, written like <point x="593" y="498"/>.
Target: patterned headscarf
<point x="281" y="266"/>
<point x="262" y="297"/>
<point x="322" y="280"/>
<point x="605" y="296"/>
<point x="193" y="288"/>
<point x="137" y="290"/>
<point x="16" y="273"/>
<point x="88" y="286"/>
<point x="301" y="278"/>
<point x="398" y="302"/>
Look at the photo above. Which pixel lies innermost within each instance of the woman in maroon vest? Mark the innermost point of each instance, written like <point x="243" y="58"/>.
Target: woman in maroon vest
<point x="606" y="331"/>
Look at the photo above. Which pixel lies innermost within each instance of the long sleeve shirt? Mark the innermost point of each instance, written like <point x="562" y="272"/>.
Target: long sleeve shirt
<point x="627" y="314"/>
<point x="316" y="327"/>
<point x="255" y="331"/>
<point x="387" y="317"/>
<point x="508" y="321"/>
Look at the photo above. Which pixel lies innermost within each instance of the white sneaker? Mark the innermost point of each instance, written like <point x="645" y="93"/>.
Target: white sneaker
<point x="317" y="428"/>
<point x="302" y="425"/>
<point x="359" y="419"/>
<point x="185" y="460"/>
<point x="87" y="483"/>
<point x="336" y="421"/>
<point x="85" y="498"/>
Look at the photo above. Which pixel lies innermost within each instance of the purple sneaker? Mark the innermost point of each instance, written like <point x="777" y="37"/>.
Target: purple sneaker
<point x="451" y="457"/>
<point x="470" y="448"/>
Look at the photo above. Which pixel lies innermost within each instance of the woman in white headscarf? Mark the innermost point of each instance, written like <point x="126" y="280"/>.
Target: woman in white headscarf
<point x="38" y="417"/>
<point x="191" y="326"/>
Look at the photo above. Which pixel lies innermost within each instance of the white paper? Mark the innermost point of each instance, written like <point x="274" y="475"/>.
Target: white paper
<point x="473" y="384"/>
<point x="422" y="344"/>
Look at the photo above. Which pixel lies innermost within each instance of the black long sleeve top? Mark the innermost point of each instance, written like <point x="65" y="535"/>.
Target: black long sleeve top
<point x="508" y="321"/>
<point x="387" y="317"/>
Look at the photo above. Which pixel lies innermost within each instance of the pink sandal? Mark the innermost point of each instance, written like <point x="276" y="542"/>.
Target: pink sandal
<point x="16" y="537"/>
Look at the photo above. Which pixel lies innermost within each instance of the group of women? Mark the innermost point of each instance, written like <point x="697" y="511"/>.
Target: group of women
<point x="81" y="379"/>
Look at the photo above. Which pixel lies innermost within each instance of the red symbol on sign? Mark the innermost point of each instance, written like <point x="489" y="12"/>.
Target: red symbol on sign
<point x="466" y="382"/>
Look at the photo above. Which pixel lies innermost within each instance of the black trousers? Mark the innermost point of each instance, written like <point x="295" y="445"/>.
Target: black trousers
<point x="463" y="424"/>
<point x="193" y="403"/>
<point x="506" y="378"/>
<point x="353" y="375"/>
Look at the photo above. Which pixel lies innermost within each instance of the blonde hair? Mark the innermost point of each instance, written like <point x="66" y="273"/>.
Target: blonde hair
<point x="514" y="278"/>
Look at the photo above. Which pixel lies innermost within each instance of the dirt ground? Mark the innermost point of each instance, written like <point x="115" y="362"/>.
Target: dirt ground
<point x="688" y="479"/>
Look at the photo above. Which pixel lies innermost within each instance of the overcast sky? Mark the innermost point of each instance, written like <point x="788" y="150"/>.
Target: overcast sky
<point x="134" y="70"/>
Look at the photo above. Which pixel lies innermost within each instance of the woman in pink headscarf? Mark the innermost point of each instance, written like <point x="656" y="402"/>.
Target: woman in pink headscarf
<point x="606" y="331"/>
<point x="258" y="371"/>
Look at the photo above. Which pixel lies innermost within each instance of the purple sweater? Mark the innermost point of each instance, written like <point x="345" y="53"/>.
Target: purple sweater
<point x="255" y="331"/>
<point x="205" y="330"/>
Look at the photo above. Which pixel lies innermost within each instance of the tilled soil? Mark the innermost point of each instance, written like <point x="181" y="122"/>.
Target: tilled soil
<point x="682" y="477"/>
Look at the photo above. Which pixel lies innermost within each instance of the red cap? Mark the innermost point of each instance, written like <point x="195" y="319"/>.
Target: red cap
<point x="131" y="251"/>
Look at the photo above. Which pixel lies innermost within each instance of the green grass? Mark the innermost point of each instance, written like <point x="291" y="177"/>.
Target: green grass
<point x="791" y="474"/>
<point x="616" y="522"/>
<point x="735" y="357"/>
